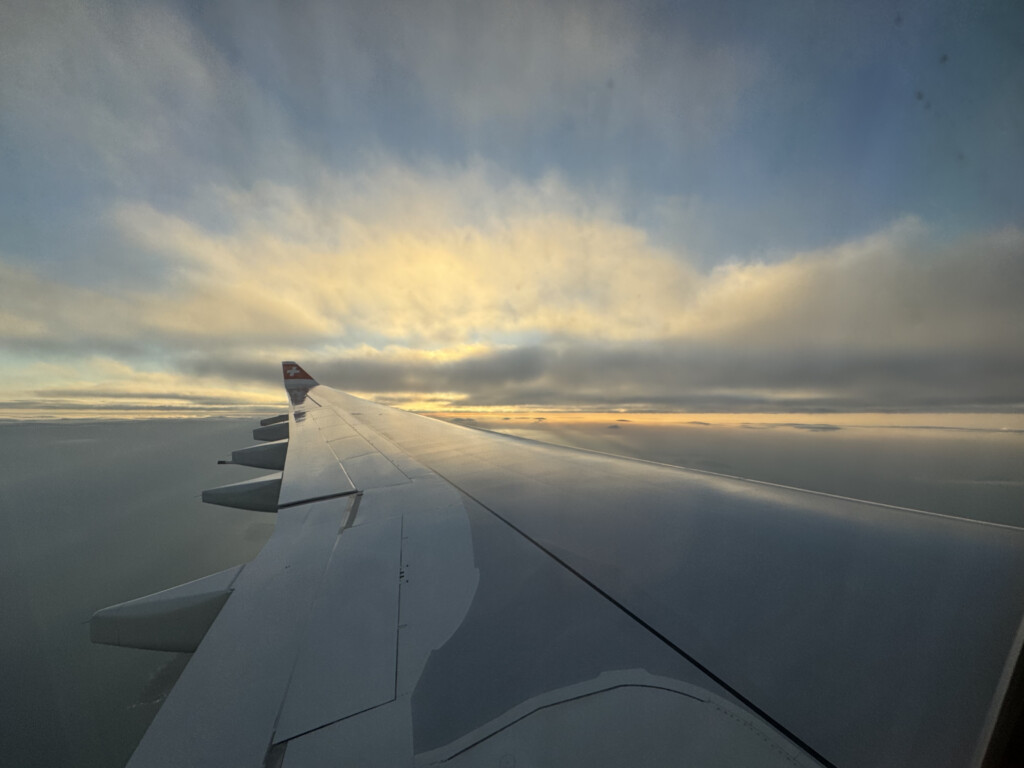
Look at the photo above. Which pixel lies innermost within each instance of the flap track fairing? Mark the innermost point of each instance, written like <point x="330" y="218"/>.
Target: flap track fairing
<point x="175" y="619"/>
<point x="259" y="494"/>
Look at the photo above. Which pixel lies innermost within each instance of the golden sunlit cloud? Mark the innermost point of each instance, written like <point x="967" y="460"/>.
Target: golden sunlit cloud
<point x="424" y="265"/>
<point x="426" y="269"/>
<point x="423" y="258"/>
<point x="441" y="258"/>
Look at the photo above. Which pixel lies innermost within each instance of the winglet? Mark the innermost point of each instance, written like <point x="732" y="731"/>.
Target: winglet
<point x="295" y="376"/>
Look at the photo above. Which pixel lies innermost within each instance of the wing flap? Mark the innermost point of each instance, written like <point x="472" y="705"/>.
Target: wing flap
<point x="347" y="661"/>
<point x="223" y="708"/>
<point x="311" y="470"/>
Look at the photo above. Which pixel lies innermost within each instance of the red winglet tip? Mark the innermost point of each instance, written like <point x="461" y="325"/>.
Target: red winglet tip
<point x="294" y="372"/>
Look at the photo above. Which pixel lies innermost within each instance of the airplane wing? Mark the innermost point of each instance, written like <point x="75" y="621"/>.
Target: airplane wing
<point x="439" y="595"/>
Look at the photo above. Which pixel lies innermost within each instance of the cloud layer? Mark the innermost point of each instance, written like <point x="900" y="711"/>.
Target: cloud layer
<point x="513" y="203"/>
<point x="405" y="281"/>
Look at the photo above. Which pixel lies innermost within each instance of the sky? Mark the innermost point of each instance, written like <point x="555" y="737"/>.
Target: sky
<point x="732" y="206"/>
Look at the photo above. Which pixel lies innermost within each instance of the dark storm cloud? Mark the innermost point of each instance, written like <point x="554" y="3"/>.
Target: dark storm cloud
<point x="678" y="376"/>
<point x="493" y="370"/>
<point x="723" y="378"/>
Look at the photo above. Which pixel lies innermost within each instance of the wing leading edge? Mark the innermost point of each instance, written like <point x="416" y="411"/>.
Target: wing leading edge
<point x="434" y="594"/>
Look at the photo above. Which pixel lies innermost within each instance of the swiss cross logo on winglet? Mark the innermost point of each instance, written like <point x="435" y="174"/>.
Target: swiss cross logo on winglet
<point x="294" y="372"/>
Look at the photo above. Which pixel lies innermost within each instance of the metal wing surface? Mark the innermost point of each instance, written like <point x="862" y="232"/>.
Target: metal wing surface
<point x="439" y="595"/>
